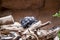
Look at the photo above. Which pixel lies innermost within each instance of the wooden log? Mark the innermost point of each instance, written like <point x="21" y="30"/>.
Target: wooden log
<point x="48" y="33"/>
<point x="56" y="38"/>
<point x="35" y="26"/>
<point x="13" y="27"/>
<point x="41" y="34"/>
<point x="6" y="20"/>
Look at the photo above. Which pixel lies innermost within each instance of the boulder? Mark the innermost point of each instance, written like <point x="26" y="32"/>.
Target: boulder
<point x="22" y="4"/>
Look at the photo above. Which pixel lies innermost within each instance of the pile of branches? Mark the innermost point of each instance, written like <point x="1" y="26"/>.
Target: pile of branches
<point x="11" y="30"/>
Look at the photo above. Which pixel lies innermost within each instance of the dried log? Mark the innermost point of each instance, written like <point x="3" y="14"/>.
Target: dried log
<point x="30" y="31"/>
<point x="6" y="20"/>
<point x="10" y="36"/>
<point x="35" y="26"/>
<point x="44" y="33"/>
<point x="40" y="33"/>
<point x="13" y="27"/>
<point x="48" y="33"/>
<point x="16" y="35"/>
<point x="56" y="38"/>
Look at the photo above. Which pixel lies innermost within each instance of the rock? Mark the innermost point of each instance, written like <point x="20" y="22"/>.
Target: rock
<point x="22" y="4"/>
<point x="52" y="4"/>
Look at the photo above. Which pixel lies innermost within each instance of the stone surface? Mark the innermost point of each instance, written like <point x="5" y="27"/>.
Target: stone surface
<point x="30" y="4"/>
<point x="52" y="4"/>
<point x="22" y="4"/>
